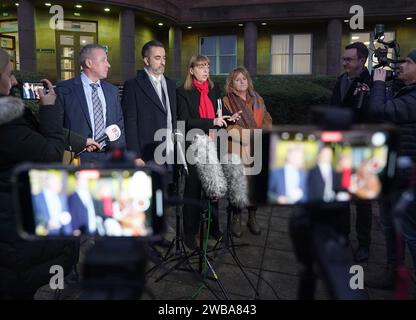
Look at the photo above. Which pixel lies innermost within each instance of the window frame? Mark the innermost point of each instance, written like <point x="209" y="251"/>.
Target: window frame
<point x="291" y="54"/>
<point x="217" y="52"/>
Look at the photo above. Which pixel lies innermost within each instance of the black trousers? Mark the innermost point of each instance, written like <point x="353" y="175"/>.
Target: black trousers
<point x="192" y="213"/>
<point x="363" y="222"/>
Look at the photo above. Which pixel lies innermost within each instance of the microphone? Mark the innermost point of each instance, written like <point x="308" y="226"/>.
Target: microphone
<point x="178" y="139"/>
<point x="236" y="180"/>
<point x="208" y="167"/>
<point x="112" y="133"/>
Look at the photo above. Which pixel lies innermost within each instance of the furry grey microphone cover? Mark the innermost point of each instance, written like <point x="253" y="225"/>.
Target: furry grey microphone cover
<point x="237" y="182"/>
<point x="208" y="166"/>
<point x="10" y="108"/>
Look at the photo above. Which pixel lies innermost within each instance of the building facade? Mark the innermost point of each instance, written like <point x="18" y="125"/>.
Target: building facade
<point x="302" y="37"/>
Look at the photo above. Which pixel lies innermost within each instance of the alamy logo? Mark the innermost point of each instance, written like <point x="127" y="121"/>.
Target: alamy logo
<point x="357" y="280"/>
<point x="57" y="21"/>
<point x="357" y="20"/>
<point x="57" y="280"/>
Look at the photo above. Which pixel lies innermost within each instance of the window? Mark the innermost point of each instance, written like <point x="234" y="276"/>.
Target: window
<point x="291" y="54"/>
<point x="221" y="51"/>
<point x="367" y="38"/>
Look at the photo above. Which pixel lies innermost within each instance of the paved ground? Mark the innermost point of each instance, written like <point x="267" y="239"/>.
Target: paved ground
<point x="268" y="261"/>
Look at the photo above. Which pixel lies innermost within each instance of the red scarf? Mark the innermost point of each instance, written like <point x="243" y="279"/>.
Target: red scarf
<point x="206" y="109"/>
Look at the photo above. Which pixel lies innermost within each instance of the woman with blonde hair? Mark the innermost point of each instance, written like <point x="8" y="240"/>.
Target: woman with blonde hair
<point x="197" y="106"/>
<point x="241" y="97"/>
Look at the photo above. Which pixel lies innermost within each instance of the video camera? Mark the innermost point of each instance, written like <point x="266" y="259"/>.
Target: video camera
<point x="310" y="165"/>
<point x="381" y="53"/>
<point x="107" y="201"/>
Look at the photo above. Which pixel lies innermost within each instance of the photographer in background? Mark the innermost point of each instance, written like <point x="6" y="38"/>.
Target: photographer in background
<point x="349" y="92"/>
<point x="24" y="266"/>
<point x="400" y="110"/>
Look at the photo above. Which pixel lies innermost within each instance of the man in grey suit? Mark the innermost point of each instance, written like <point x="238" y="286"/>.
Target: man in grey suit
<point x="89" y="104"/>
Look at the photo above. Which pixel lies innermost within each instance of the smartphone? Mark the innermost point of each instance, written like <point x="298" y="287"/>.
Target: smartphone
<point x="29" y="90"/>
<point x="306" y="165"/>
<point x="60" y="201"/>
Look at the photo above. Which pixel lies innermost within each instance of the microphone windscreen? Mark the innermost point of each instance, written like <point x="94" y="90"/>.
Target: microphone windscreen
<point x="236" y="180"/>
<point x="10" y="108"/>
<point x="113" y="132"/>
<point x="208" y="167"/>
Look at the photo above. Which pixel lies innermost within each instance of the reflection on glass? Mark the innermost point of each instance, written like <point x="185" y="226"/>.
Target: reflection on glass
<point x="227" y="64"/>
<point x="65" y="75"/>
<point x="208" y="46"/>
<point x="67" y="64"/>
<point x="227" y="45"/>
<point x="84" y="40"/>
<point x="67" y="52"/>
<point x="301" y="64"/>
<point x="66" y="40"/>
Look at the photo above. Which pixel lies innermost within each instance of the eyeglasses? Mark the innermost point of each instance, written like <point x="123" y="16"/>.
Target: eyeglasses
<point x="348" y="59"/>
<point x="202" y="66"/>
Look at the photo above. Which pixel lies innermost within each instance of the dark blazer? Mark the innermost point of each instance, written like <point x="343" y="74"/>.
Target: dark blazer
<point x="73" y="103"/>
<point x="316" y="184"/>
<point x="349" y="100"/>
<point x="144" y="113"/>
<point x="188" y="107"/>
<point x="277" y="185"/>
<point x="43" y="216"/>
<point x="79" y="212"/>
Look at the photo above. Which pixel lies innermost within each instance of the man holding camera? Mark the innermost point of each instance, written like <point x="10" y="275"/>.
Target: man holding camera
<point x="400" y="110"/>
<point x="349" y="92"/>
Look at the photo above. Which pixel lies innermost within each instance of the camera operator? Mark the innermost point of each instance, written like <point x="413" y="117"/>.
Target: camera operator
<point x="349" y="92"/>
<point x="400" y="110"/>
<point x="24" y="266"/>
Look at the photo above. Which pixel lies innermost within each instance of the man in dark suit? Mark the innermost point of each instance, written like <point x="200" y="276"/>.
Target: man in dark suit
<point x="149" y="104"/>
<point x="89" y="105"/>
<point x="347" y="94"/>
<point x="52" y="209"/>
<point x="288" y="184"/>
<point x="323" y="180"/>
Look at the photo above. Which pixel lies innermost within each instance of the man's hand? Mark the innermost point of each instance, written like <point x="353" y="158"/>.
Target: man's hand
<point x="91" y="145"/>
<point x="139" y="162"/>
<point x="49" y="98"/>
<point x="379" y="75"/>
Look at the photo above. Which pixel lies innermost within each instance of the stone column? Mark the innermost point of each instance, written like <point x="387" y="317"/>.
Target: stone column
<point x="250" y="47"/>
<point x="333" y="49"/>
<point x="177" y="53"/>
<point x="27" y="36"/>
<point x="127" y="45"/>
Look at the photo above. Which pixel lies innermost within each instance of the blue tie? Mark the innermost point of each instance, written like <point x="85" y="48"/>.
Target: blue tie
<point x="97" y="108"/>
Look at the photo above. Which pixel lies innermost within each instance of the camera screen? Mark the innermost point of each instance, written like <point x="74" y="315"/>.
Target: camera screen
<point x="30" y="90"/>
<point x="326" y="166"/>
<point x="117" y="203"/>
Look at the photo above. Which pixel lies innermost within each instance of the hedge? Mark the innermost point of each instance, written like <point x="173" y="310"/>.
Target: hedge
<point x="289" y="98"/>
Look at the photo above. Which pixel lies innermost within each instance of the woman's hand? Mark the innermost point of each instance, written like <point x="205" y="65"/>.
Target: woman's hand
<point x="49" y="98"/>
<point x="236" y="116"/>
<point x="221" y="121"/>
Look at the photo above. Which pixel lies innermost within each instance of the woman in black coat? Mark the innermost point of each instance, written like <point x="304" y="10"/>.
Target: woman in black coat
<point x="24" y="266"/>
<point x="197" y="106"/>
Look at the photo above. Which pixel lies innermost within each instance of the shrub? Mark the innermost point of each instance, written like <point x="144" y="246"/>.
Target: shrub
<point x="289" y="98"/>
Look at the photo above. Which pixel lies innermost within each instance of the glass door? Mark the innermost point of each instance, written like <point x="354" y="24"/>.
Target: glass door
<point x="8" y="43"/>
<point x="68" y="44"/>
